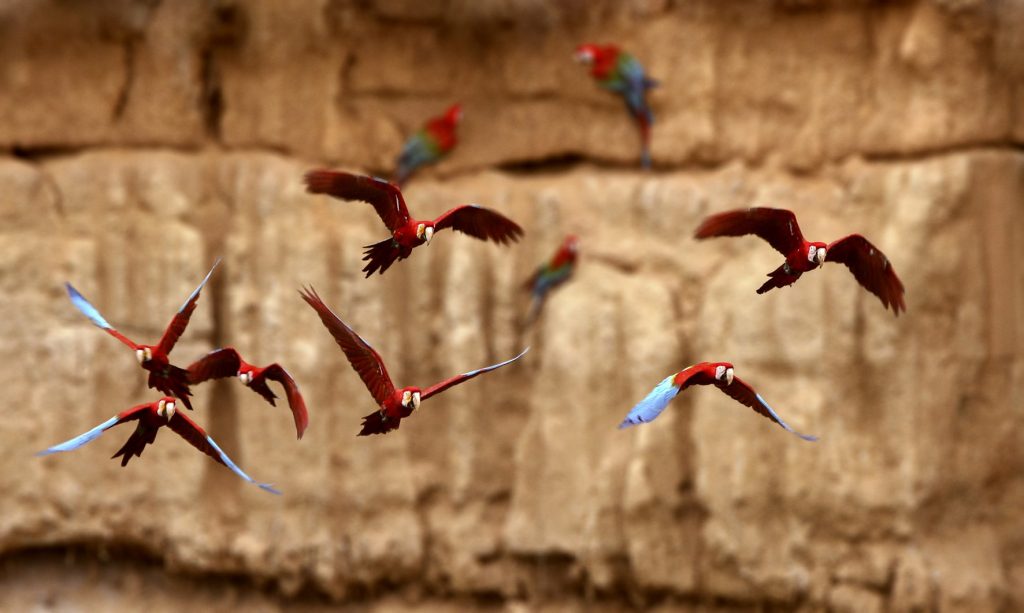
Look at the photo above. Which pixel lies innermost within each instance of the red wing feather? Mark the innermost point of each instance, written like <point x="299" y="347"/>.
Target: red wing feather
<point x="777" y="226"/>
<point x="745" y="395"/>
<point x="871" y="269"/>
<point x="217" y="364"/>
<point x="196" y="436"/>
<point x="364" y="359"/>
<point x="386" y="198"/>
<point x="480" y="223"/>
<point x="437" y="388"/>
<point x="296" y="403"/>
<point x="177" y="326"/>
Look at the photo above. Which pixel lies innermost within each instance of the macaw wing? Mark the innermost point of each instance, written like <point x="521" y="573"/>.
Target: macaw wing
<point x="275" y="372"/>
<point x="363" y="358"/>
<point x="91" y="435"/>
<point x="386" y="198"/>
<point x="180" y="321"/>
<point x="217" y="364"/>
<point x="437" y="388"/>
<point x="94" y="316"/>
<point x="744" y="394"/>
<point x="480" y="223"/>
<point x="198" y="438"/>
<point x="871" y="269"/>
<point x="777" y="226"/>
<point x="654" y="403"/>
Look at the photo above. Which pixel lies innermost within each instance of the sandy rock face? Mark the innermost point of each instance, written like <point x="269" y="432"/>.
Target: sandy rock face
<point x="147" y="139"/>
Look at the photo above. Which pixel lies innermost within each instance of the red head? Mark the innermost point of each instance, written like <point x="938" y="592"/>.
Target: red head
<point x="453" y="115"/>
<point x="595" y="54"/>
<point x="816" y="253"/>
<point x="722" y="372"/>
<point x="410" y="398"/>
<point x="571" y="246"/>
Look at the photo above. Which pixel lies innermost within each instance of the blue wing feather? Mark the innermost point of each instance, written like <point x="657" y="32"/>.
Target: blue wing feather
<point x="238" y="471"/>
<point x="473" y="373"/>
<point x="806" y="437"/>
<point x="652" y="406"/>
<point x="196" y="291"/>
<point x="81" y="439"/>
<point x="86" y="307"/>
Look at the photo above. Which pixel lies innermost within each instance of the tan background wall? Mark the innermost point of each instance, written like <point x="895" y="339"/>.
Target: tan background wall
<point x="144" y="139"/>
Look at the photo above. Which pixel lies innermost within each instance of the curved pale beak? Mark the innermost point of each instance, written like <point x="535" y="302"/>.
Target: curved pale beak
<point x="728" y="376"/>
<point x="245" y="377"/>
<point x="406" y="399"/>
<point x="820" y="256"/>
<point x="140" y="356"/>
<point x="428" y="234"/>
<point x="165" y="409"/>
<point x="416" y="401"/>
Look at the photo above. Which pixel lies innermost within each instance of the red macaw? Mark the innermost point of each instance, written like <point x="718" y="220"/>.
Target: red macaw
<point x="163" y="375"/>
<point x="778" y="226"/>
<point x="226" y="362"/>
<point x="395" y="404"/>
<point x="719" y="374"/>
<point x="406" y="232"/>
<point x="430" y="144"/>
<point x="151" y="417"/>
<point x="551" y="274"/>
<point x="621" y="73"/>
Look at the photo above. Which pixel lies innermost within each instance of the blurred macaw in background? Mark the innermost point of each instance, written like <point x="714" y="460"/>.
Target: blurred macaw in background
<point x="427" y="146"/>
<point x="226" y="362"/>
<point x="163" y="375"/>
<point x="151" y="417"/>
<point x="408" y="233"/>
<point x="395" y="403"/>
<point x="551" y="274"/>
<point x="719" y="374"/>
<point x="621" y="73"/>
<point x="779" y="227"/>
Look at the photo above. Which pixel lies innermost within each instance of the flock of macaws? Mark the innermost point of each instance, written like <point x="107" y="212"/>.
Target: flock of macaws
<point x="614" y="70"/>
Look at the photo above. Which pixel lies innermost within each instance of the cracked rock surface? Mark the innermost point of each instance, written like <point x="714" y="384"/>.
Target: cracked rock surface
<point x="141" y="140"/>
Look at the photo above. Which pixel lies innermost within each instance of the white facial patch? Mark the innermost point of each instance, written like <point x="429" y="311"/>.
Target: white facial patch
<point x="140" y="356"/>
<point x="719" y="371"/>
<point x="810" y="253"/>
<point x="419" y="230"/>
<point x="406" y="399"/>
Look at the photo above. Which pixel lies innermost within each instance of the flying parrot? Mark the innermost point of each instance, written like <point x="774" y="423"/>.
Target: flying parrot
<point x="779" y="227"/>
<point x="226" y="362"/>
<point x="151" y="417"/>
<point x="407" y="233"/>
<point x="719" y="374"/>
<point x="163" y="375"/>
<point x="429" y="145"/>
<point x="621" y="73"/>
<point x="395" y="403"/>
<point x="551" y="274"/>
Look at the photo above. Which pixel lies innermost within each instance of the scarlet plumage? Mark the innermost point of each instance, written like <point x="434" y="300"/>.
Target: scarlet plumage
<point x="407" y="233"/>
<point x="151" y="417"/>
<point x="780" y="229"/>
<point x="227" y="362"/>
<point x="395" y="403"/>
<point x="163" y="375"/>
